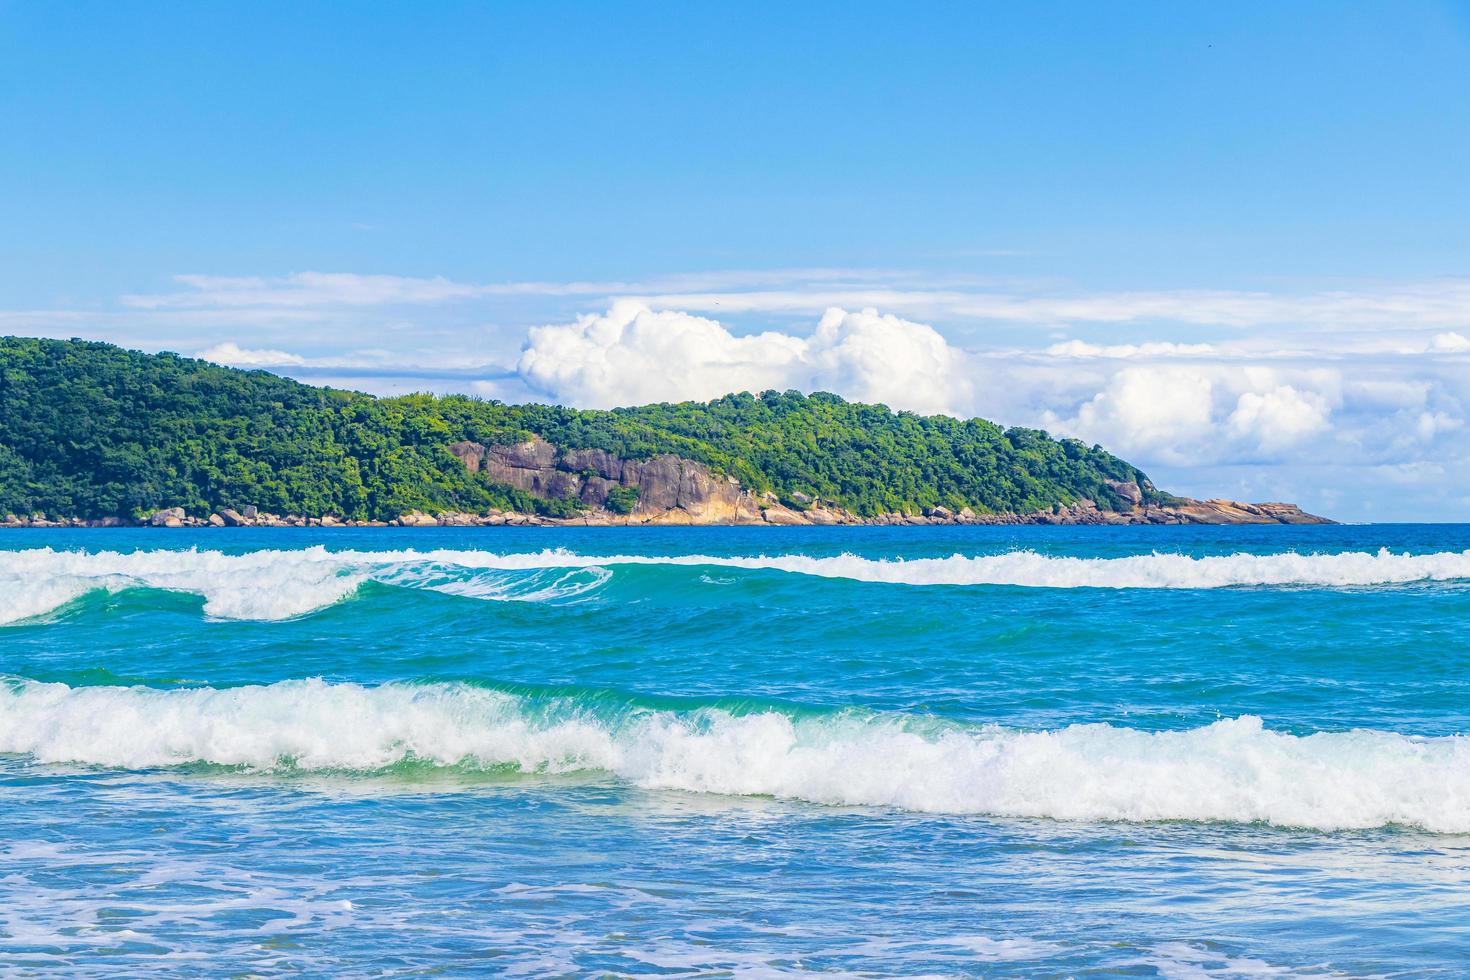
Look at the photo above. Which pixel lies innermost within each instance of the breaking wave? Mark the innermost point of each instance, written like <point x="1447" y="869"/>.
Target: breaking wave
<point x="281" y="584"/>
<point x="1233" y="770"/>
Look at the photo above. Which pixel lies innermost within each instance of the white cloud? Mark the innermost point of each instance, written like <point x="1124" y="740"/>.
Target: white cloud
<point x="1163" y="411"/>
<point x="1431" y="424"/>
<point x="393" y="370"/>
<point x="1278" y="417"/>
<point x="1450" y="343"/>
<point x="632" y="354"/>
<point x="876" y="358"/>
<point x="233" y="355"/>
<point x="1205" y="412"/>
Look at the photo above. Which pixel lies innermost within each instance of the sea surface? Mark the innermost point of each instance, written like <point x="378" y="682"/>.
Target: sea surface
<point x="711" y="752"/>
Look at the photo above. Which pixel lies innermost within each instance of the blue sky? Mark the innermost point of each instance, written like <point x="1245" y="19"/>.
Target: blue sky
<point x="1228" y="241"/>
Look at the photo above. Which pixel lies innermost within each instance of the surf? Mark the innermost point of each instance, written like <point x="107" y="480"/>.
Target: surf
<point x="1235" y="770"/>
<point x="276" y="584"/>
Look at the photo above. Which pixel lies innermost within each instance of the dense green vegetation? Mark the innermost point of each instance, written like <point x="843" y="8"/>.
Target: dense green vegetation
<point x="92" y="430"/>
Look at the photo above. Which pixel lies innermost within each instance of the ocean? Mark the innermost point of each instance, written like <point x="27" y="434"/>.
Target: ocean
<point x="706" y="752"/>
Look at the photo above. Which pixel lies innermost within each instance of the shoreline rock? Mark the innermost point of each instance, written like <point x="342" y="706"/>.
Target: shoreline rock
<point x="769" y="513"/>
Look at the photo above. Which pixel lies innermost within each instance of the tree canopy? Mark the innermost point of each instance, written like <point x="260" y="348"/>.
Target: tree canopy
<point x="92" y="430"/>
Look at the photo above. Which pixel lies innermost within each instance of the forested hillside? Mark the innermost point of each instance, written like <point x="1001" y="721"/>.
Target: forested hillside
<point x="93" y="430"/>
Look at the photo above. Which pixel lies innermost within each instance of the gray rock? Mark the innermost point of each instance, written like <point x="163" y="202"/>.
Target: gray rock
<point x="168" y="517"/>
<point x="1128" y="492"/>
<point x="471" y="454"/>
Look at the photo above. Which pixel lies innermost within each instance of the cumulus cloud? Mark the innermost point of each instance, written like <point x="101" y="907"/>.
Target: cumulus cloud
<point x="1205" y="412"/>
<point x="1163" y="411"/>
<point x="1279" y="417"/>
<point x="886" y="359"/>
<point x="633" y="354"/>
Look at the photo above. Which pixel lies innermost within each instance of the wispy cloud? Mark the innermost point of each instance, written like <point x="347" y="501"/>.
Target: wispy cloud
<point x="304" y="289"/>
<point x="1078" y="348"/>
<point x="1441" y="303"/>
<point x="327" y="289"/>
<point x="370" y="365"/>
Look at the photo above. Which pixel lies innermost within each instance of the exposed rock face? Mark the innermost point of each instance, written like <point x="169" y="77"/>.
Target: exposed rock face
<point x="469" y="453"/>
<point x="673" y="490"/>
<point x="1131" y="493"/>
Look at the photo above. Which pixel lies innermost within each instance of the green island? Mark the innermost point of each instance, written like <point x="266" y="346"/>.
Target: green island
<point x="92" y="431"/>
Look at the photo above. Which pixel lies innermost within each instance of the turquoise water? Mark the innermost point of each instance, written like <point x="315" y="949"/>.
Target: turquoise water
<point x="1036" y="752"/>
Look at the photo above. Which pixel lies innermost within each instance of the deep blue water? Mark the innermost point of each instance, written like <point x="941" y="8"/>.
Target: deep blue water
<point x="737" y="751"/>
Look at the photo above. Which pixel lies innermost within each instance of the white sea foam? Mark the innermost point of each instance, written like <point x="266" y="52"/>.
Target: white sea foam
<point x="1233" y="770"/>
<point x="279" y="584"/>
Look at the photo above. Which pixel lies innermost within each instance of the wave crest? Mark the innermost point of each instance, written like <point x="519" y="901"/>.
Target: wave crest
<point x="280" y="584"/>
<point x="1233" y="770"/>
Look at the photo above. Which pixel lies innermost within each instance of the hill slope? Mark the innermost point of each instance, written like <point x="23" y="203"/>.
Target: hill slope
<point x="91" y="430"/>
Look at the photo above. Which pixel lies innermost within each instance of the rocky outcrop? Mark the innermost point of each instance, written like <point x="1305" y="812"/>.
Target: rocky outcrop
<point x="168" y="517"/>
<point x="1235" y="512"/>
<point x="1130" y="493"/>
<point x="1180" y="510"/>
<point x="673" y="490"/>
<point x="670" y="489"/>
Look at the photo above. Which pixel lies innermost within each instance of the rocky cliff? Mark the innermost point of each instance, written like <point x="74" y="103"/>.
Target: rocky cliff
<point x="669" y="489"/>
<point x="673" y="490"/>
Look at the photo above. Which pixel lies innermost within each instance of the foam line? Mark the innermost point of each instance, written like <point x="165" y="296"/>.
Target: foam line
<point x="1233" y="770"/>
<point x="280" y="584"/>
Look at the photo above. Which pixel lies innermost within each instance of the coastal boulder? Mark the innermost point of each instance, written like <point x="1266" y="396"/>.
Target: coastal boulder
<point x="1127" y="491"/>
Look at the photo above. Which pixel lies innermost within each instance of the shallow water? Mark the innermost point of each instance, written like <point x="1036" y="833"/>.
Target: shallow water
<point x="691" y="752"/>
